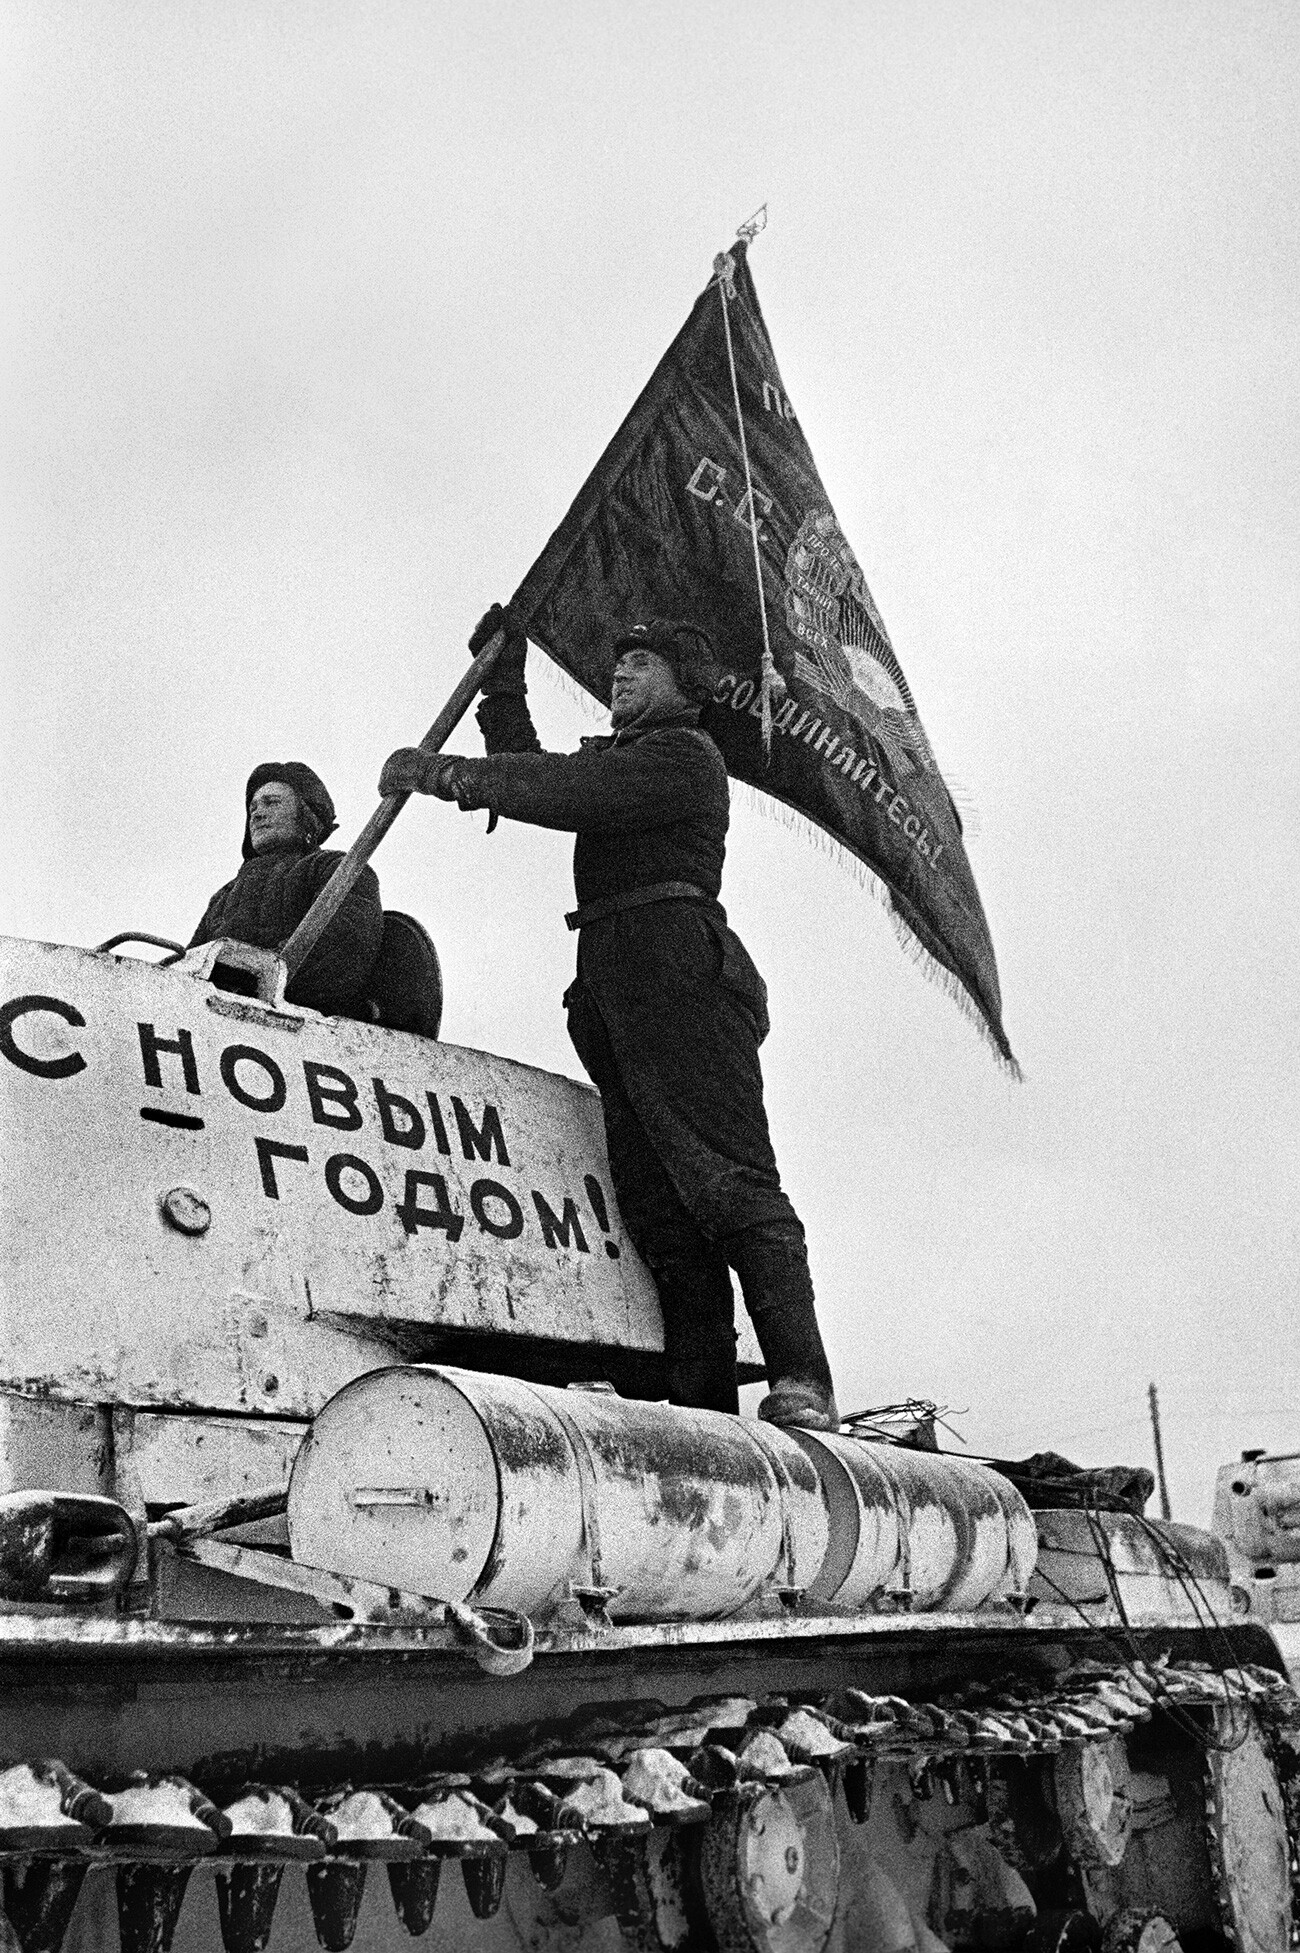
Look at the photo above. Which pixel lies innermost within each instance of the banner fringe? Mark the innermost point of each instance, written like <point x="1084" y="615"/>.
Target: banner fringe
<point x="770" y="809"/>
<point x="593" y="708"/>
<point x="916" y="952"/>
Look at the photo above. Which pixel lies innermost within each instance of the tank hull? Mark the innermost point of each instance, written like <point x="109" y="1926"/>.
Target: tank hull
<point x="320" y="1707"/>
<point x="247" y="1702"/>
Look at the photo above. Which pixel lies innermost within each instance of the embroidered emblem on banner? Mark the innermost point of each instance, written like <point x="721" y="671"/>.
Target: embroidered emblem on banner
<point x="843" y="649"/>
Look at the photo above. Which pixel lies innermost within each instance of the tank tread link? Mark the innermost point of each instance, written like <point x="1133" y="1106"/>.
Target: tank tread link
<point x="725" y="1825"/>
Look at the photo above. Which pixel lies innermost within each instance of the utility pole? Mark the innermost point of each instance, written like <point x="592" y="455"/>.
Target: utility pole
<point x="1165" y="1513"/>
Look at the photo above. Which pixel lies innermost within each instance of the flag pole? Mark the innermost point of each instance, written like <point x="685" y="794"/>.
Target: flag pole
<point x="1154" y="1401"/>
<point x="345" y="877"/>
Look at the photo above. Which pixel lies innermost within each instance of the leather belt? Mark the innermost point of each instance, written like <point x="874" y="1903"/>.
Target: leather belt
<point x="636" y="898"/>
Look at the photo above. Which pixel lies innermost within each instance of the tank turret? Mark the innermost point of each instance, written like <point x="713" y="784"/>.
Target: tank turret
<point x="248" y="1205"/>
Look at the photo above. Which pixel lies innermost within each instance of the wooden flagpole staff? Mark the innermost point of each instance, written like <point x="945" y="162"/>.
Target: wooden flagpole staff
<point x="341" y="883"/>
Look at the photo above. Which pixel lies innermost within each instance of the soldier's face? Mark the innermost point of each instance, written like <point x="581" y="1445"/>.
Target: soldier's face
<point x="274" y="817"/>
<point x="645" y="687"/>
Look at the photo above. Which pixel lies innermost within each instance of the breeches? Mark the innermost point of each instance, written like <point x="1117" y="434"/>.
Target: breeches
<point x="699" y="1193"/>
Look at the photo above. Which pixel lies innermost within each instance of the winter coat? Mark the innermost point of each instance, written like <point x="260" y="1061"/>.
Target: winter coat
<point x="681" y="1004"/>
<point x="267" y="900"/>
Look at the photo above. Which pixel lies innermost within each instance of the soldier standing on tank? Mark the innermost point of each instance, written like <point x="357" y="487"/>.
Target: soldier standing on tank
<point x="667" y="1011"/>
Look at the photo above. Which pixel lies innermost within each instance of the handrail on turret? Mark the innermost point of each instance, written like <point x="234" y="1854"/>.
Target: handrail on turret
<point x="141" y="936"/>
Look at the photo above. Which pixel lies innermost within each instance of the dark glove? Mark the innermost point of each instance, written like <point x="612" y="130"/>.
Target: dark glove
<point x="454" y="778"/>
<point x="404" y="772"/>
<point x="506" y="678"/>
<point x="444" y="775"/>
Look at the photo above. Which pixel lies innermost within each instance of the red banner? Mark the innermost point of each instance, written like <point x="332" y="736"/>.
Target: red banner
<point x="664" y="527"/>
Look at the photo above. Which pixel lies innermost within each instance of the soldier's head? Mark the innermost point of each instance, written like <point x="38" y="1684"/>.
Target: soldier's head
<point x="661" y="669"/>
<point x="288" y="809"/>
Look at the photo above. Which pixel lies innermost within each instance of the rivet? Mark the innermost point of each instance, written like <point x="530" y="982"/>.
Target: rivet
<point x="186" y="1210"/>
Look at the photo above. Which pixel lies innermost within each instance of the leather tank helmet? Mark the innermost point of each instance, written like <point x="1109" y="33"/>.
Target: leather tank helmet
<point x="684" y="647"/>
<point x="319" y="820"/>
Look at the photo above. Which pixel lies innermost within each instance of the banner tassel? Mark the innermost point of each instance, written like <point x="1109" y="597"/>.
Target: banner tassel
<point x="772" y="685"/>
<point x="934" y="972"/>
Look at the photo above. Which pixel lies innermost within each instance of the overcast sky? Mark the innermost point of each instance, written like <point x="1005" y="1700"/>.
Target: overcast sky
<point x="318" y="315"/>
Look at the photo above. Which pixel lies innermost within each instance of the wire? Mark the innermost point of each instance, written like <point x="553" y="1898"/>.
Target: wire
<point x="1145" y="1673"/>
<point x="870" y="1425"/>
<point x="1197" y="1599"/>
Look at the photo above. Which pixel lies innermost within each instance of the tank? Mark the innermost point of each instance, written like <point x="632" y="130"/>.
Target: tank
<point x="356" y="1587"/>
<point x="1257" y="1516"/>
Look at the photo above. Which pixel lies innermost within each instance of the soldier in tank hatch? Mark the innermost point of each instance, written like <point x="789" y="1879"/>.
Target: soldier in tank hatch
<point x="667" y="1011"/>
<point x="288" y="814"/>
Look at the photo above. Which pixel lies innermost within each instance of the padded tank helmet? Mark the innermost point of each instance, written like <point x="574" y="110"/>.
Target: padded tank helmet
<point x="686" y="648"/>
<point x="313" y="796"/>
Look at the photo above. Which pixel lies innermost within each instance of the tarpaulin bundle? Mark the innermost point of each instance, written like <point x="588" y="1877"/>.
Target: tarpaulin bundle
<point x="1047" y="1480"/>
<point x="666" y="526"/>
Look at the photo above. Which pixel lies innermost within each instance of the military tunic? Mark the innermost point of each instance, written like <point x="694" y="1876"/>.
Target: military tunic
<point x="666" y="1012"/>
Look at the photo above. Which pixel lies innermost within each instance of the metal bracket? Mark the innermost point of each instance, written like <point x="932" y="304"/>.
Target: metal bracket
<point x="263" y="967"/>
<point x="366" y="1496"/>
<point x="594" y="1602"/>
<point x="500" y="1641"/>
<point x="357" y="1600"/>
<point x="589" y="1494"/>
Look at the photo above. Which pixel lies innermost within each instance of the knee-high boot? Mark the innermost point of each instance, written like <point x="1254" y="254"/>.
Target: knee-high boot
<point x="773" y="1268"/>
<point x="699" y="1331"/>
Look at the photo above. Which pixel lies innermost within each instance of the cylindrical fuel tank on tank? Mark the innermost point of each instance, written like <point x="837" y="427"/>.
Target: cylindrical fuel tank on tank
<point x="952" y="1533"/>
<point x="468" y="1486"/>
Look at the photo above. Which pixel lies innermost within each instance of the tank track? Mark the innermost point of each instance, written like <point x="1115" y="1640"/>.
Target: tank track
<point x="615" y="1786"/>
<point x="1277" y="1718"/>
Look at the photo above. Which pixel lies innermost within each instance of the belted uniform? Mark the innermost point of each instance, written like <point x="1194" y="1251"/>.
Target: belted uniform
<point x="667" y="1012"/>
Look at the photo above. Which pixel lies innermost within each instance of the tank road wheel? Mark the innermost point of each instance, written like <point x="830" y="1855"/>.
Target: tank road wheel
<point x="647" y="1882"/>
<point x="1094" y="1799"/>
<point x="1065" y="1932"/>
<point x="1250" y="1854"/>
<point x="1140" y="1932"/>
<point x="770" y="1868"/>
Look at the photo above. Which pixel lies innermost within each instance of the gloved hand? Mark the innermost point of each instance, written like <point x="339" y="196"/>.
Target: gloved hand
<point x="448" y="776"/>
<point x="506" y="678"/>
<point x="404" y="772"/>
